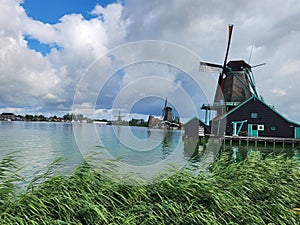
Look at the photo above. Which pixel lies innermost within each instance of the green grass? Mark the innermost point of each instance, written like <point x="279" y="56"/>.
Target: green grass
<point x="253" y="191"/>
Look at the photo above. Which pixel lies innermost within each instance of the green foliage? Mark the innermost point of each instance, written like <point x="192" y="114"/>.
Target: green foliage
<point x="253" y="191"/>
<point x="8" y="177"/>
<point x="138" y="122"/>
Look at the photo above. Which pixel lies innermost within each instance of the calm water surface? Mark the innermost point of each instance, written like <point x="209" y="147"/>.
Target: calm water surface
<point x="36" y="144"/>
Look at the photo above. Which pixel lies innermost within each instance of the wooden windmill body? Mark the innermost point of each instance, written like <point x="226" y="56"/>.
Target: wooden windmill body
<point x="235" y="84"/>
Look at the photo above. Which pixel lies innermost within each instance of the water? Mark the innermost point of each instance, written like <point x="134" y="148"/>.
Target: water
<point x="36" y="144"/>
<point x="136" y="149"/>
<point x="241" y="152"/>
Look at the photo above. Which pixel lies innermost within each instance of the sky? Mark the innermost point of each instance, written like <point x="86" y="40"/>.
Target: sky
<point x="101" y="57"/>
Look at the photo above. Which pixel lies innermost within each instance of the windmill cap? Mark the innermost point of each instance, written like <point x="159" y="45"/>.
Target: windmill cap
<point x="238" y="65"/>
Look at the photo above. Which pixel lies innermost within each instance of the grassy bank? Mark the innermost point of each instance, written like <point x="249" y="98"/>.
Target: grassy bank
<point x="253" y="191"/>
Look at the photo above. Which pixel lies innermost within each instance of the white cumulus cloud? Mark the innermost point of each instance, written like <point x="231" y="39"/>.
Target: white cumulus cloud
<point x="30" y="79"/>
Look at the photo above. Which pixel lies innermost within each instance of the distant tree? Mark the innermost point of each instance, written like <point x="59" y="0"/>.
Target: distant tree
<point x="67" y="117"/>
<point x="28" y="117"/>
<point x="80" y="117"/>
<point x="73" y="116"/>
<point x="137" y="122"/>
<point x="41" y="118"/>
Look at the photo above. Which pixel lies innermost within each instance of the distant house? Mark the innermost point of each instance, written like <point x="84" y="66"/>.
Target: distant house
<point x="254" y="117"/>
<point x="7" y="116"/>
<point x="195" y="128"/>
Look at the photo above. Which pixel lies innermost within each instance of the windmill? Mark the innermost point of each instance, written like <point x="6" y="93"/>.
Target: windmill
<point x="119" y="117"/>
<point x="167" y="112"/>
<point x="164" y="109"/>
<point x="235" y="83"/>
<point x="166" y="121"/>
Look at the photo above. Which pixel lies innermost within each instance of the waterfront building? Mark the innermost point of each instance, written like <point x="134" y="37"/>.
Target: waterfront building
<point x="8" y="116"/>
<point x="239" y="110"/>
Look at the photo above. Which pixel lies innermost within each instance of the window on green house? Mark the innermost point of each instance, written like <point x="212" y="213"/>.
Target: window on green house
<point x="273" y="127"/>
<point x="253" y="115"/>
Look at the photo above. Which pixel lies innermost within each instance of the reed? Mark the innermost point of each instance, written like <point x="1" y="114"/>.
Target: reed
<point x="253" y="191"/>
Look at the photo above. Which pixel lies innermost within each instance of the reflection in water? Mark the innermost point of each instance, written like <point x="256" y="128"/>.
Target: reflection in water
<point x="199" y="151"/>
<point x="166" y="143"/>
<point x="202" y="153"/>
<point x="241" y="152"/>
<point x="190" y="148"/>
<point x="137" y="145"/>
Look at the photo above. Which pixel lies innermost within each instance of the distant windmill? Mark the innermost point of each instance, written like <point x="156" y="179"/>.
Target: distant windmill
<point x="235" y="84"/>
<point x="119" y="117"/>
<point x="164" y="109"/>
<point x="167" y="112"/>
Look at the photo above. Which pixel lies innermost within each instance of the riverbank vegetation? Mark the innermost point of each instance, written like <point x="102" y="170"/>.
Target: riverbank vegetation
<point x="253" y="191"/>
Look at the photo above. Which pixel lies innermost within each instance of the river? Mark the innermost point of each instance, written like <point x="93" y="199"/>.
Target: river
<point x="133" y="149"/>
<point x="36" y="144"/>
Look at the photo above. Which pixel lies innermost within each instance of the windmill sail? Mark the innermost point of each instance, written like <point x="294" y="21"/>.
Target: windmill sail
<point x="221" y="81"/>
<point x="210" y="67"/>
<point x="230" y="28"/>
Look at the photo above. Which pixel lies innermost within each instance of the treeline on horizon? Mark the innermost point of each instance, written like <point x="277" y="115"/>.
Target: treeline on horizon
<point x="65" y="118"/>
<point x="69" y="117"/>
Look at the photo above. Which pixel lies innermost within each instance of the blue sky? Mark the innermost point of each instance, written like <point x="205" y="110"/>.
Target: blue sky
<point x="50" y="11"/>
<point x="43" y="57"/>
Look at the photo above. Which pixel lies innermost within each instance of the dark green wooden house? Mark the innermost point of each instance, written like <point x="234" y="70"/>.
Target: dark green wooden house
<point x="254" y="117"/>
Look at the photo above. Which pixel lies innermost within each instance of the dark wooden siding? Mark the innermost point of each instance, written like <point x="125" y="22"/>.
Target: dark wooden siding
<point x="191" y="128"/>
<point x="265" y="116"/>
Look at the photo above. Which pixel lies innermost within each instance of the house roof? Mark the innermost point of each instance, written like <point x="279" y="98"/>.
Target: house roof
<point x="7" y="114"/>
<point x="197" y="119"/>
<point x="258" y="99"/>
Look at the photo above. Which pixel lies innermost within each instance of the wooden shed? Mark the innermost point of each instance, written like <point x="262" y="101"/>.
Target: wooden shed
<point x="195" y="128"/>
